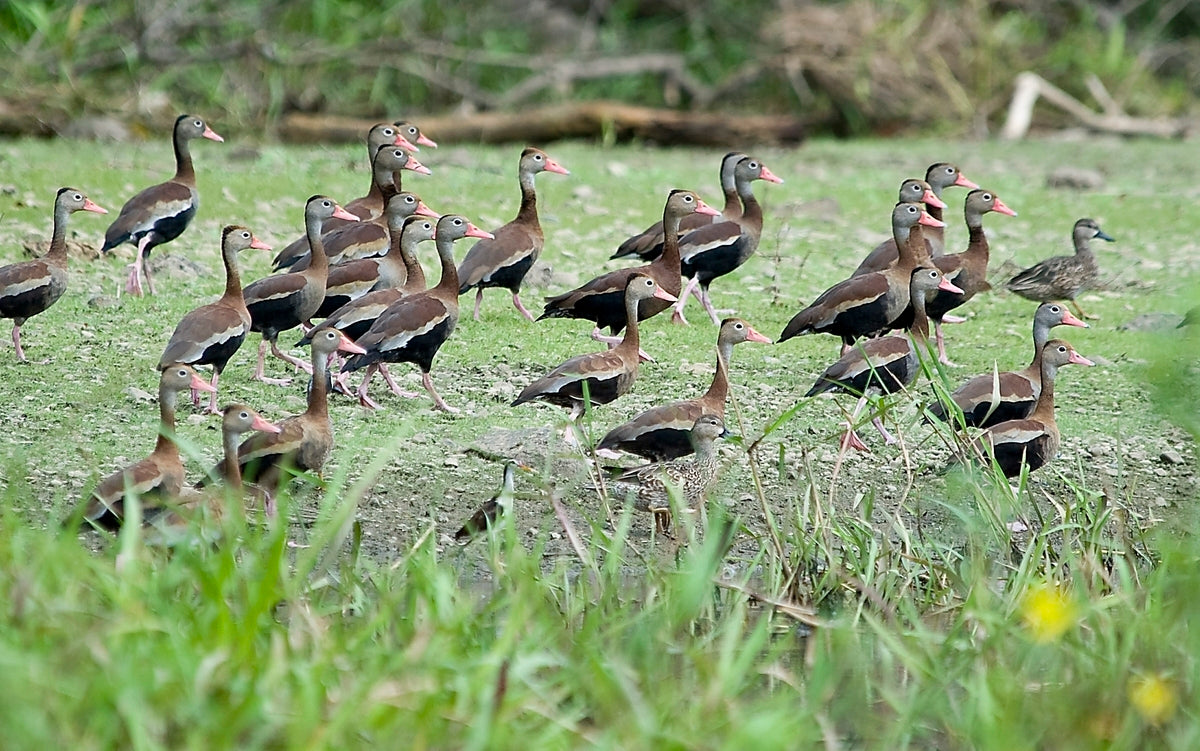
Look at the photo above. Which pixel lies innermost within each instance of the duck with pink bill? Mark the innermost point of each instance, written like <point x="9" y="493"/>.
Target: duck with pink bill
<point x="31" y="287"/>
<point x="888" y="364"/>
<point x="867" y="304"/>
<point x="415" y="327"/>
<point x="1034" y="441"/>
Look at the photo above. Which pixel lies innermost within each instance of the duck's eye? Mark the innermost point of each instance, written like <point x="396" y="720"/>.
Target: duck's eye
<point x="412" y="130"/>
<point x="537" y="157"/>
<point x="738" y="326"/>
<point x="987" y="196"/>
<point x="1062" y="349"/>
<point x="950" y="170"/>
<point x="688" y="199"/>
<point x="78" y="197"/>
<point x="1054" y="309"/>
<point x="244" y="415"/>
<point x="409" y="199"/>
<point x="199" y="123"/>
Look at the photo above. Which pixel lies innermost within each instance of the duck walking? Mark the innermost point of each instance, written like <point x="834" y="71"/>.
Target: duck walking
<point x="212" y="334"/>
<point x="505" y="260"/>
<point x="160" y="213"/>
<point x="604" y="376"/>
<point x="885" y="365"/>
<point x="662" y="433"/>
<point x="31" y="287"/>
<point x="1063" y="277"/>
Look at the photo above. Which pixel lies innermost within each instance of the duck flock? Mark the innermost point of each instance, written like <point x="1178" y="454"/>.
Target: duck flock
<point x="353" y="291"/>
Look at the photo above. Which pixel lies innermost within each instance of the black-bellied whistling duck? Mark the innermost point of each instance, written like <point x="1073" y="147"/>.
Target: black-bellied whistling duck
<point x="719" y="248"/>
<point x="160" y="213"/>
<point x="368" y="207"/>
<point x="284" y="301"/>
<point x="968" y="269"/>
<point x="887" y="364"/>
<point x="606" y="375"/>
<point x="648" y="244"/>
<point x="650" y="487"/>
<point x="415" y="327"/>
<point x="304" y="441"/>
<point x="353" y="278"/>
<point x="504" y="261"/>
<point x="356" y="317"/>
<point x="173" y="522"/>
<point x="1034" y="440"/>
<point x="602" y="300"/>
<point x="158" y="476"/>
<point x="488" y="515"/>
<point x="30" y="287"/>
<point x="661" y="433"/>
<point x="414" y="135"/>
<point x="1063" y="277"/>
<point x="1018" y="389"/>
<point x="211" y="334"/>
<point x="938" y="177"/>
<point x="865" y="304"/>
<point x="369" y="237"/>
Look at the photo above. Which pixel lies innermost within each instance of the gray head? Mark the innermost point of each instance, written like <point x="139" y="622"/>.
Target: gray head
<point x="1087" y="229"/>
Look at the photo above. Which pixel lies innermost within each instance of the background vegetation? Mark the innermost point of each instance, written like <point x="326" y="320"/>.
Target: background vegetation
<point x="854" y="67"/>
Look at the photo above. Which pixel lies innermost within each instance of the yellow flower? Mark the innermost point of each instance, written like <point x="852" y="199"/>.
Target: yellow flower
<point x="1154" y="698"/>
<point x="1048" y="613"/>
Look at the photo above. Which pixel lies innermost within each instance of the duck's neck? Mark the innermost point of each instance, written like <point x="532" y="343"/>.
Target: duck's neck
<point x="414" y="274"/>
<point x="233" y="277"/>
<point x="733" y="204"/>
<point x="1041" y="335"/>
<point x="1044" y="411"/>
<point x="449" y="282"/>
<point x="631" y="339"/>
<point x="184" y="172"/>
<point x="719" y="389"/>
<point x="920" y="323"/>
<point x="58" y="241"/>
<point x="1083" y="246"/>
<point x="233" y="468"/>
<point x="912" y="251"/>
<point x="320" y="262"/>
<point x="706" y="452"/>
<point x="670" y="255"/>
<point x="528" y="211"/>
<point x="318" y="396"/>
<point x="166" y="421"/>
<point x="977" y="244"/>
<point x="752" y="216"/>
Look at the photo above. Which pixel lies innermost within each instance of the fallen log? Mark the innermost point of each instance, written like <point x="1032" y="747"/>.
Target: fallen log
<point x="600" y="119"/>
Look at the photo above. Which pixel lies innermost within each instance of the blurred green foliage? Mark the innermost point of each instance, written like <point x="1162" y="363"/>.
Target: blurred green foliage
<point x="257" y="61"/>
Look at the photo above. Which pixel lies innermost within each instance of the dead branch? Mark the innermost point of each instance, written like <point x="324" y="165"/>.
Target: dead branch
<point x="1029" y="87"/>
<point x="578" y="120"/>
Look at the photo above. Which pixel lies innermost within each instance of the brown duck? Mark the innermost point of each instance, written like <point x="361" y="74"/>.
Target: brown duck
<point x="663" y="433"/>
<point x="31" y="287"/>
<point x="1063" y="277"/>
<point x="992" y="398"/>
<point x="505" y="260"/>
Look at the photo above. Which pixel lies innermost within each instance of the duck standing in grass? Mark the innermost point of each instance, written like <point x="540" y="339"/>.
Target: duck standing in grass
<point x="31" y="287"/>
<point x="504" y="260"/>
<point x="650" y="486"/>
<point x="1063" y="277"/>
<point x="598" y="377"/>
<point x="1033" y="441"/>
<point x="160" y="213"/>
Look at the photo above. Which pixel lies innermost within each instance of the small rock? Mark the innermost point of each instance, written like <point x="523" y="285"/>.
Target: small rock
<point x="102" y="301"/>
<point x="1170" y="456"/>
<point x="1075" y="178"/>
<point x="139" y="395"/>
